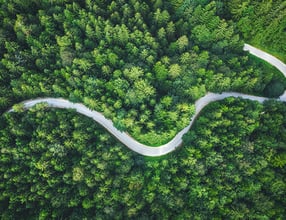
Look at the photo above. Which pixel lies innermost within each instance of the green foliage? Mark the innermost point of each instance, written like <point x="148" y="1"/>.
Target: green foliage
<point x="58" y="164"/>
<point x="143" y="64"/>
<point x="274" y="89"/>
<point x="262" y="23"/>
<point x="124" y="56"/>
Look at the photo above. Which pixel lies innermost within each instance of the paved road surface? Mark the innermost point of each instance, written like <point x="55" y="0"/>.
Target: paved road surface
<point x="267" y="57"/>
<point x="177" y="140"/>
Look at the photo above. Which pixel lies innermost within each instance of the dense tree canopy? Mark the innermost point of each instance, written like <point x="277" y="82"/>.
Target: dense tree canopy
<point x="58" y="164"/>
<point x="143" y="64"/>
<point x="124" y="58"/>
<point x="262" y="23"/>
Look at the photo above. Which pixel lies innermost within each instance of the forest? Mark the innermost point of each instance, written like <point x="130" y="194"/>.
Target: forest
<point x="142" y="64"/>
<point x="267" y="32"/>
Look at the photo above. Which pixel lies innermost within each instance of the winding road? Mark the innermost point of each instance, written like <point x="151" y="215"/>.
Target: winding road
<point x="177" y="140"/>
<point x="267" y="57"/>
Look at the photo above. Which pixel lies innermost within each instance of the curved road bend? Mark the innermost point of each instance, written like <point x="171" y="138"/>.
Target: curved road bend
<point x="177" y="140"/>
<point x="267" y="57"/>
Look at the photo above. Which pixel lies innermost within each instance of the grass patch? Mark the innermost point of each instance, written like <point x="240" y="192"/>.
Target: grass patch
<point x="267" y="48"/>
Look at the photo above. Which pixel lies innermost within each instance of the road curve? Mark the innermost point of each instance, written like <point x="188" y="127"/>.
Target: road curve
<point x="177" y="140"/>
<point x="267" y="57"/>
<point x="124" y="137"/>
